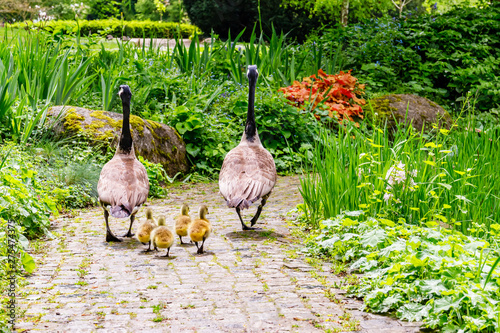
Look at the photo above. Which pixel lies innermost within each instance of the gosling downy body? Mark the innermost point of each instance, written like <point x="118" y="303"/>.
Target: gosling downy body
<point x="123" y="184"/>
<point x="145" y="228"/>
<point x="200" y="229"/>
<point x="182" y="222"/>
<point x="162" y="237"/>
<point x="248" y="172"/>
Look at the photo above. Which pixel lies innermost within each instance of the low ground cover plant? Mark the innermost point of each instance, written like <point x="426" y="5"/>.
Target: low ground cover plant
<point x="436" y="275"/>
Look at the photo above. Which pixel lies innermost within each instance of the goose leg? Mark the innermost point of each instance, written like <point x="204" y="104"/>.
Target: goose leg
<point x="196" y="243"/>
<point x="243" y="225"/>
<point x="200" y="250"/>
<point x="259" y="210"/>
<point x="149" y="248"/>
<point x="109" y="235"/>
<point x="180" y="237"/>
<point x="129" y="233"/>
<point x="168" y="251"/>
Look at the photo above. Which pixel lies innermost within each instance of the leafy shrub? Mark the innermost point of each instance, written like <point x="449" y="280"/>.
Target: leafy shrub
<point x="223" y="17"/>
<point x="438" y="276"/>
<point x="137" y="29"/>
<point x="448" y="177"/>
<point x="211" y="134"/>
<point x="146" y="10"/>
<point x="22" y="198"/>
<point x="441" y="57"/>
<point x="157" y="178"/>
<point x="103" y="9"/>
<point x="335" y="93"/>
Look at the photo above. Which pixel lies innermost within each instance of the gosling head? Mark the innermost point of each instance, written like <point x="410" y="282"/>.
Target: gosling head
<point x="161" y="220"/>
<point x="149" y="213"/>
<point x="185" y="209"/>
<point x="203" y="211"/>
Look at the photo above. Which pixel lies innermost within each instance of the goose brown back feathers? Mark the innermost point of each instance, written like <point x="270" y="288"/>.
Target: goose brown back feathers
<point x="247" y="174"/>
<point x="123" y="185"/>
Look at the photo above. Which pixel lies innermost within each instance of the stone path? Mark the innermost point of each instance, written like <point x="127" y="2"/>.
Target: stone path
<point x="251" y="281"/>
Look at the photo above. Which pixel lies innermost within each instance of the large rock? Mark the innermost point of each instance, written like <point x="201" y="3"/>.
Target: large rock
<point x="405" y="109"/>
<point x="155" y="142"/>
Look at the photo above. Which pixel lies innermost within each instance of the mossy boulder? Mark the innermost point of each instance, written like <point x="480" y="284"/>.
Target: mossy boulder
<point x="154" y="141"/>
<point x="406" y="109"/>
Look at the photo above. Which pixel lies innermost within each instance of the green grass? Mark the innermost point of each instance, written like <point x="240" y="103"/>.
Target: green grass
<point x="446" y="178"/>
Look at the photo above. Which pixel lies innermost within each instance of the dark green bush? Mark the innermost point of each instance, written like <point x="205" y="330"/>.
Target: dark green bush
<point x="137" y="29"/>
<point x="440" y="57"/>
<point x="234" y="16"/>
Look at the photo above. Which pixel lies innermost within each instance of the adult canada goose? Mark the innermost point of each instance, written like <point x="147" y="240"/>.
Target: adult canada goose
<point x="123" y="185"/>
<point x="248" y="172"/>
<point x="145" y="228"/>
<point x="182" y="222"/>
<point x="200" y="229"/>
<point x="162" y="237"/>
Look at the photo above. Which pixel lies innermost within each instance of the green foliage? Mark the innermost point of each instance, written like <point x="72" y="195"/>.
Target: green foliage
<point x="146" y="10"/>
<point x="103" y="9"/>
<point x="137" y="29"/>
<point x="330" y="10"/>
<point x="23" y="264"/>
<point x="157" y="178"/>
<point x="438" y="276"/>
<point x="448" y="177"/>
<point x="440" y="57"/>
<point x="222" y="17"/>
<point x="22" y="198"/>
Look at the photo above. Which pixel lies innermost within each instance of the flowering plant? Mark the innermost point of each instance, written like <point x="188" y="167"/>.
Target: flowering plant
<point x="335" y="93"/>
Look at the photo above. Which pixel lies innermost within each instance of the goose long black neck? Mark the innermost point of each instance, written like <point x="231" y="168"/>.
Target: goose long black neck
<point x="250" y="126"/>
<point x="126" y="137"/>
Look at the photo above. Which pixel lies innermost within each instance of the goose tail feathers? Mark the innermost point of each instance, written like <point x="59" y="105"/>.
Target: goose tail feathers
<point x="120" y="211"/>
<point x="239" y="202"/>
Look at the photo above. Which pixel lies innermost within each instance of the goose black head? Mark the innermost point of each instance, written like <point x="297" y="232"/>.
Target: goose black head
<point x="125" y="92"/>
<point x="252" y="73"/>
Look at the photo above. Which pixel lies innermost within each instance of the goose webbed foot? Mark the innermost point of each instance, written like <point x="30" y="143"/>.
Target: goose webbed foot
<point x="111" y="238"/>
<point x="250" y="228"/>
<point x="129" y="232"/>
<point x="243" y="225"/>
<point x="259" y="210"/>
<point x="168" y="252"/>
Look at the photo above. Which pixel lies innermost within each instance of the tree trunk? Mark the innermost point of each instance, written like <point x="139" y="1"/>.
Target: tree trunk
<point x="345" y="13"/>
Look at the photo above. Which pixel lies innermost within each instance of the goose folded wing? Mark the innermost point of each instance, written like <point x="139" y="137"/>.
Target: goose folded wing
<point x="246" y="176"/>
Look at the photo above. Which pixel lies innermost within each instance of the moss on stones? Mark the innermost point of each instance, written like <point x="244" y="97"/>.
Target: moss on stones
<point x="109" y="121"/>
<point x="72" y="121"/>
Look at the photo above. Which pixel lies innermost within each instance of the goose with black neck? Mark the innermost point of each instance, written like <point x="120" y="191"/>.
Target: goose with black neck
<point x="248" y="173"/>
<point x="123" y="184"/>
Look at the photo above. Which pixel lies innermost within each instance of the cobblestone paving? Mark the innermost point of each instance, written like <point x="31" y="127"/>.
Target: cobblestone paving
<point x="248" y="281"/>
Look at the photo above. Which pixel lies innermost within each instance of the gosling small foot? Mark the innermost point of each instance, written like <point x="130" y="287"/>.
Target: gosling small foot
<point x="148" y="250"/>
<point x="129" y="234"/>
<point x="168" y="252"/>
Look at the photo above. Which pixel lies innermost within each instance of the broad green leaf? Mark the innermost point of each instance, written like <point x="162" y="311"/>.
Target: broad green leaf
<point x="446" y="303"/>
<point x="374" y="237"/>
<point x="28" y="262"/>
<point x="413" y="311"/>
